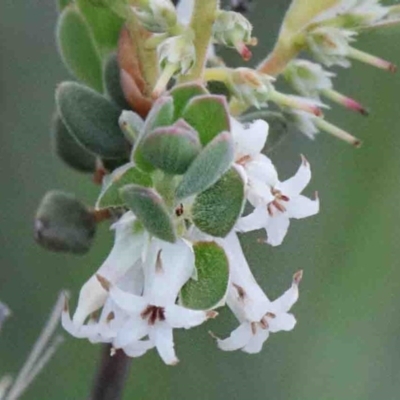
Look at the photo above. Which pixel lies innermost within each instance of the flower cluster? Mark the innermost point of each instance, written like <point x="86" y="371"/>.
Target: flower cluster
<point x="179" y="165"/>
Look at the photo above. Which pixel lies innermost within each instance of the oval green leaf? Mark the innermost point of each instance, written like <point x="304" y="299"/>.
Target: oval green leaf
<point x="209" y="288"/>
<point x="216" y="210"/>
<point x="77" y="48"/>
<point x="208" y="166"/>
<point x="208" y="115"/>
<point x="112" y="82"/>
<point x="151" y="211"/>
<point x="171" y="149"/>
<point x="182" y="94"/>
<point x="68" y="149"/>
<point x="92" y="120"/>
<point x="122" y="176"/>
<point x="64" y="224"/>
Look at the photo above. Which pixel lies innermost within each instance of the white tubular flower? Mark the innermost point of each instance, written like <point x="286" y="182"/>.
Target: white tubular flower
<point x="354" y="13"/>
<point x="330" y="45"/>
<point x="307" y="78"/>
<point x="258" y="170"/>
<point x="156" y="15"/>
<point x="128" y="248"/>
<point x="287" y="203"/>
<point x="176" y="55"/>
<point x="234" y="30"/>
<point x="167" y="268"/>
<point x="258" y="316"/>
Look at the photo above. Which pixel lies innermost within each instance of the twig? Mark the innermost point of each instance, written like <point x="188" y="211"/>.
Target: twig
<point x="111" y="376"/>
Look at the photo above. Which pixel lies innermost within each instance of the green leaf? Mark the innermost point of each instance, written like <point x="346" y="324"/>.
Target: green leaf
<point x="68" y="149"/>
<point x="64" y="224"/>
<point x="104" y="24"/>
<point x="182" y="94"/>
<point x="160" y="115"/>
<point x="208" y="166"/>
<point x="208" y="115"/>
<point x="92" y="120"/>
<point x="150" y="209"/>
<point x="171" y="149"/>
<point x="77" y="48"/>
<point x="131" y="125"/>
<point x="211" y="285"/>
<point x="112" y="83"/>
<point x="216" y="210"/>
<point x="125" y="175"/>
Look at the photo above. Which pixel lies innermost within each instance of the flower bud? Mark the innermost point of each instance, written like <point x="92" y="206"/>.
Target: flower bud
<point x="233" y="30"/>
<point x="251" y="87"/>
<point x="156" y="15"/>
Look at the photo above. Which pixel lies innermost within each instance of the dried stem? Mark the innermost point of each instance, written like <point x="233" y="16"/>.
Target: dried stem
<point x="111" y="376"/>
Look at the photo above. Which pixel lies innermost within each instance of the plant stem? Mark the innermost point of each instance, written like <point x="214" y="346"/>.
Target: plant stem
<point x="111" y="376"/>
<point x="203" y="18"/>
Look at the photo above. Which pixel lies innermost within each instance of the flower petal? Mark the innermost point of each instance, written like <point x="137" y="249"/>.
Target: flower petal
<point x="297" y="183"/>
<point x="238" y="339"/>
<point x="256" y="342"/>
<point x="282" y="322"/>
<point x="167" y="268"/>
<point x="132" y="330"/>
<point x="130" y="303"/>
<point x="258" y="219"/>
<point x="285" y="302"/>
<point x="161" y="335"/>
<point x="277" y="228"/>
<point x="181" y="317"/>
<point x="301" y="207"/>
<point x="138" y="348"/>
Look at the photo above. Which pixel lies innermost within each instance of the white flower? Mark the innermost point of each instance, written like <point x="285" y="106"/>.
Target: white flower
<point x="258" y="316"/>
<point x="257" y="169"/>
<point x="305" y="123"/>
<point x="234" y="30"/>
<point x="167" y="268"/>
<point x="330" y="45"/>
<point x="156" y="15"/>
<point x="354" y="13"/>
<point x="308" y="78"/>
<point x="127" y="250"/>
<point x="287" y="203"/>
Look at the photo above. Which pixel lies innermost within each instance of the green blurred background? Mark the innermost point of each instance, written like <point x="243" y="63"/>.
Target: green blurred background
<point x="346" y="343"/>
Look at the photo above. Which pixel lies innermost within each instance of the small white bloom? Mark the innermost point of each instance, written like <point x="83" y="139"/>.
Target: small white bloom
<point x="354" y="13"/>
<point x="257" y="169"/>
<point x="308" y="78"/>
<point x="287" y="203"/>
<point x="177" y="51"/>
<point x="127" y="250"/>
<point x="330" y="45"/>
<point x="167" y="268"/>
<point x="258" y="316"/>
<point x="156" y="15"/>
<point x="305" y="123"/>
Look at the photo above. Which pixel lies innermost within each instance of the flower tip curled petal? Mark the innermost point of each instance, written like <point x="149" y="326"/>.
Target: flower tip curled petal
<point x="297" y="277"/>
<point x="234" y="30"/>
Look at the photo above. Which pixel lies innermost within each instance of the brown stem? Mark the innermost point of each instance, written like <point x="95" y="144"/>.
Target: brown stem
<point x="111" y="376"/>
